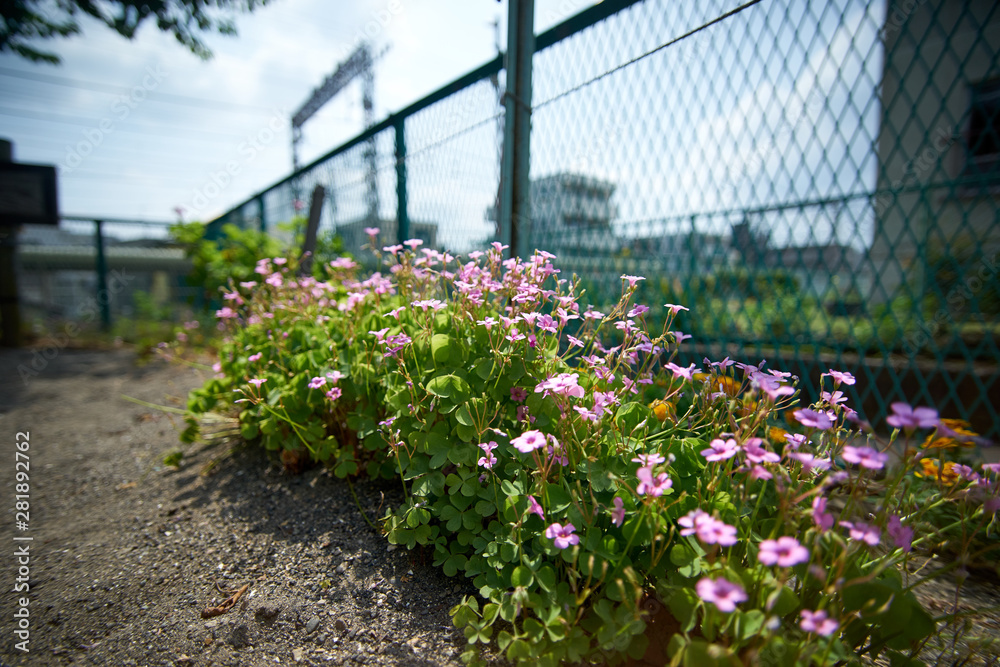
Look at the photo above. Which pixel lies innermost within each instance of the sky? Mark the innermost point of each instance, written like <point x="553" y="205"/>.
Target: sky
<point x="772" y="105"/>
<point x="138" y="128"/>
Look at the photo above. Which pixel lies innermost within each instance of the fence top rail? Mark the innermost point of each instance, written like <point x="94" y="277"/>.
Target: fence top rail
<point x="125" y="221"/>
<point x="567" y="28"/>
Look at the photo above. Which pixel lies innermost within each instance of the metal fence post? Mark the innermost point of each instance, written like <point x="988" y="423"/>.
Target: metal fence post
<point x="515" y="183"/>
<point x="263" y="221"/>
<point x="402" y="217"/>
<point x="103" y="298"/>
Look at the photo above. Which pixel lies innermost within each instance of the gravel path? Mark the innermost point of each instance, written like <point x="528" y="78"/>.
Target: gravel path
<point x="126" y="553"/>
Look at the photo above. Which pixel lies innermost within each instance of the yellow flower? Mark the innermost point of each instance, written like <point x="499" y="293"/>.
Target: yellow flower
<point x="729" y="386"/>
<point x="930" y="470"/>
<point x="960" y="426"/>
<point x="662" y="409"/>
<point x="777" y="435"/>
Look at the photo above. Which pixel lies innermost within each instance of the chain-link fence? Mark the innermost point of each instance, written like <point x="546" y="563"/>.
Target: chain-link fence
<point x="818" y="181"/>
<point x="95" y="272"/>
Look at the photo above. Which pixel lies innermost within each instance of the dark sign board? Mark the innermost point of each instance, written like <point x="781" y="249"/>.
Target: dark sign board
<point x="28" y="194"/>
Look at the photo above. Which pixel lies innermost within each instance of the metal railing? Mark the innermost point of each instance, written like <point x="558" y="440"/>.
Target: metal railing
<point x="818" y="181"/>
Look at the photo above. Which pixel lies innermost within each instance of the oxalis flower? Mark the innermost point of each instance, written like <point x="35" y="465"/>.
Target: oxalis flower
<point x="904" y="416"/>
<point x="562" y="535"/>
<point x="708" y="529"/>
<point x="817" y="621"/>
<point x="901" y="536"/>
<point x="618" y="513"/>
<point x="863" y="532"/>
<point x="723" y="593"/>
<point x="535" y="508"/>
<point x="528" y="441"/>
<point x="653" y="486"/>
<point x="866" y="457"/>
<point x="720" y="450"/>
<point x="783" y="552"/>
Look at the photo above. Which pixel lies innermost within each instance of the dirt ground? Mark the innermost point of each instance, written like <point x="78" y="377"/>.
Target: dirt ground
<point x="126" y="553"/>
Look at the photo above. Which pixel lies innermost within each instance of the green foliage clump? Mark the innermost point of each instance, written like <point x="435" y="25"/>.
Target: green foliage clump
<point x="557" y="457"/>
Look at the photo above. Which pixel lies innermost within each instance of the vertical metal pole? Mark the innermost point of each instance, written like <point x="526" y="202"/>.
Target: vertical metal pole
<point x="402" y="216"/>
<point x="103" y="296"/>
<point x="515" y="202"/>
<point x="263" y="221"/>
<point x="10" y="310"/>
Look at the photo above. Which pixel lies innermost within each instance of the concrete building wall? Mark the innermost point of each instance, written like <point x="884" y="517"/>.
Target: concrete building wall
<point x="936" y="51"/>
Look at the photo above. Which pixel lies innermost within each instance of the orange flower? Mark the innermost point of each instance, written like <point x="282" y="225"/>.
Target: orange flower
<point x="960" y="426"/>
<point x="930" y="470"/>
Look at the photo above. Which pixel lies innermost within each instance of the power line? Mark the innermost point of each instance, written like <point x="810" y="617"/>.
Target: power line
<point x="185" y="100"/>
<point x="90" y="122"/>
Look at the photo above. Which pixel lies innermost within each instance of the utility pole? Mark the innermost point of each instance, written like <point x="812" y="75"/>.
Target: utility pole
<point x="515" y="205"/>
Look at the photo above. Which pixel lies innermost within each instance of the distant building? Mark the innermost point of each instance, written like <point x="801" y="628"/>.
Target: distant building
<point x="571" y="214"/>
<point x="939" y="141"/>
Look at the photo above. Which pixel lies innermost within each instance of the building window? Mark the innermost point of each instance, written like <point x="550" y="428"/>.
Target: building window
<point x="983" y="140"/>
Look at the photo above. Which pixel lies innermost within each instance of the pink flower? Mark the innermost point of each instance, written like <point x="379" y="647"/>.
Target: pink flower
<point x="653" y="486"/>
<point x="649" y="460"/>
<point x="255" y="357"/>
<point x="839" y="377"/>
<point x="317" y="382"/>
<point x="816" y="621"/>
<point x="518" y="394"/>
<point x="795" y="440"/>
<point x="632" y="280"/>
<point x="866" y="457"/>
<point x="720" y="450"/>
<point x="863" y="532"/>
<point x="564" y="384"/>
<point x="684" y="373"/>
<point x="820" y="517"/>
<point x="783" y="552"/>
<point x="225" y="313"/>
<point x="722" y="593"/>
<point x="901" y="536"/>
<point x="754" y="451"/>
<point x="707" y="528"/>
<point x="372" y="231"/>
<point x="563" y="535"/>
<point x="488" y="460"/>
<point x="334" y="393"/>
<point x="535" y="508"/>
<point x="258" y="381"/>
<point x="528" y="441"/>
<point x="812" y="419"/>
<point x="618" y="513"/>
<point x="674" y="308"/>
<point x="905" y="416"/>
<point x="809" y="461"/>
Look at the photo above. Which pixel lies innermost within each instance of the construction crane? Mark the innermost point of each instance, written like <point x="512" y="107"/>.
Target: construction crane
<point x="359" y="64"/>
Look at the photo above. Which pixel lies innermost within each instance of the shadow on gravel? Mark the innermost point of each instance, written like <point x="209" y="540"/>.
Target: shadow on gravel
<point x="389" y="592"/>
